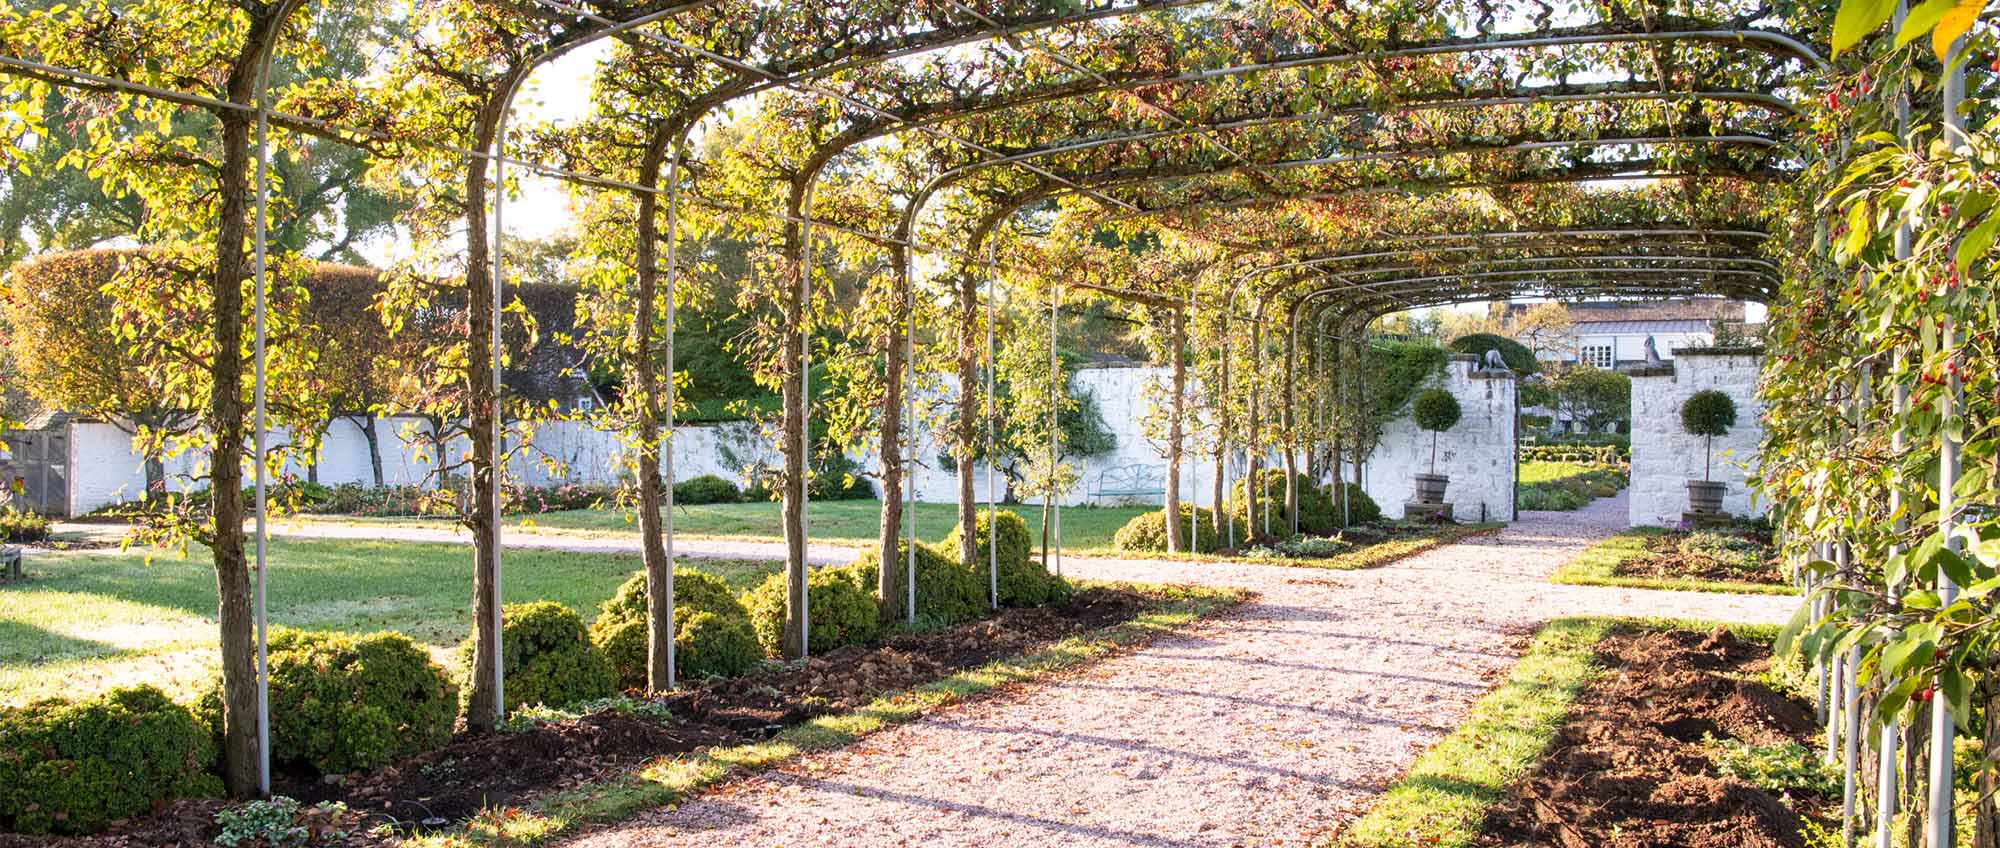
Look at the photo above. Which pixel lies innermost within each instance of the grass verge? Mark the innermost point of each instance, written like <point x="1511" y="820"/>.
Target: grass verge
<point x="1598" y="565"/>
<point x="1373" y="556"/>
<point x="672" y="779"/>
<point x="1442" y="801"/>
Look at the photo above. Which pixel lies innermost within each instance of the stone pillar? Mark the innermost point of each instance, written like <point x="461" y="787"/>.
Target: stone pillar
<point x="1665" y="457"/>
<point x="1477" y="453"/>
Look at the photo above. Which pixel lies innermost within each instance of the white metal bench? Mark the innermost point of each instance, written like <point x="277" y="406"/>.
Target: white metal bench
<point x="1129" y="481"/>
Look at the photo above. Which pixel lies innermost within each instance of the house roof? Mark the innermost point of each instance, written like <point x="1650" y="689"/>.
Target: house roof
<point x="1701" y="309"/>
<point x="1639" y="327"/>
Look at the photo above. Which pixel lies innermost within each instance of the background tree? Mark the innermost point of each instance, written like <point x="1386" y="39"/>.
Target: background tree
<point x="1593" y="398"/>
<point x="1546" y="329"/>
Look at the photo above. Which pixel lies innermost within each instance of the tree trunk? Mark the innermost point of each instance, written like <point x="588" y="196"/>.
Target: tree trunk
<point x="970" y="421"/>
<point x="1176" y="535"/>
<point x="889" y="577"/>
<point x="1221" y="396"/>
<point x="1290" y="437"/>
<point x="483" y="704"/>
<point x="374" y="446"/>
<point x="1254" y="487"/>
<point x="240" y="754"/>
<point x="1987" y="815"/>
<point x="646" y="429"/>
<point x="793" y="441"/>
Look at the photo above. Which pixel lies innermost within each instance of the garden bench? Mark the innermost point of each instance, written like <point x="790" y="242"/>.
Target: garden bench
<point x="1129" y="481"/>
<point x="10" y="562"/>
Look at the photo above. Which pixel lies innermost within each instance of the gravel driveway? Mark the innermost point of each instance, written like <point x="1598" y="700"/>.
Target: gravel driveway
<point x="1271" y="726"/>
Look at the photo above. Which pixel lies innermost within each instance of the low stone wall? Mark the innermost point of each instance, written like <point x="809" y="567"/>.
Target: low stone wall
<point x="1477" y="453"/>
<point x="1665" y="457"/>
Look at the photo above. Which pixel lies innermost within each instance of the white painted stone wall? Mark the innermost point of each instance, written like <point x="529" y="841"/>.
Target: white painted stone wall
<point x="105" y="470"/>
<point x="1477" y="452"/>
<point x="1665" y="457"/>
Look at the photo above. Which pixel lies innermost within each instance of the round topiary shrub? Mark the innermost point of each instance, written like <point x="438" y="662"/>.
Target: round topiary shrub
<point x="709" y="644"/>
<point x="547" y="657"/>
<point x="1518" y="357"/>
<point x="1317" y="511"/>
<point x="74" y="767"/>
<point x="706" y="489"/>
<point x="1024" y="582"/>
<point x="947" y="591"/>
<point x="1708" y="413"/>
<point x="1435" y="410"/>
<point x="620" y="629"/>
<point x="1361" y="509"/>
<point x="342" y="702"/>
<point x="1148" y="532"/>
<point x="841" y="609"/>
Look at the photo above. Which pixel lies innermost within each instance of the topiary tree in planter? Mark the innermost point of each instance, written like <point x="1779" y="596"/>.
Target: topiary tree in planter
<point x="1707" y="413"/>
<point x="1437" y="411"/>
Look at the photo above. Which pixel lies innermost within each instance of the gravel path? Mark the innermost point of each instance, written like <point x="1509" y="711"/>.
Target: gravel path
<point x="1268" y="727"/>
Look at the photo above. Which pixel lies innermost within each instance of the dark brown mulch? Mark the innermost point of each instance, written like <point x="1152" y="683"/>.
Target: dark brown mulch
<point x="481" y="770"/>
<point x="1665" y="559"/>
<point x="1628" y="769"/>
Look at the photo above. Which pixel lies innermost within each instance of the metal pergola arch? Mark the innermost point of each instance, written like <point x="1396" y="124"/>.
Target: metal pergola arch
<point x="1778" y="42"/>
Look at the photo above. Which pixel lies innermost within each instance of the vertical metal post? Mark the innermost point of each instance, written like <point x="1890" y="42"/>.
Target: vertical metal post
<point x="910" y="427"/>
<point x="805" y="403"/>
<point x="260" y="391"/>
<point x="992" y="507"/>
<point x="1887" y="786"/>
<point x="1055" y="427"/>
<point x="667" y="449"/>
<point x="1942" y="822"/>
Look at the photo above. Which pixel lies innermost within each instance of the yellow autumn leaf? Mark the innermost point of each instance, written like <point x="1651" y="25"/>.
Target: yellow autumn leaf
<point x="1954" y="24"/>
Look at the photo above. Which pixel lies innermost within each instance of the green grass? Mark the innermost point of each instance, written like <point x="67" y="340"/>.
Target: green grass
<point x="669" y="780"/>
<point x="844" y="522"/>
<point x="1443" y="799"/>
<point x="1442" y="802"/>
<point x="1372" y="556"/>
<point x="91" y="620"/>
<point x="1597" y="565"/>
<point x="1550" y="472"/>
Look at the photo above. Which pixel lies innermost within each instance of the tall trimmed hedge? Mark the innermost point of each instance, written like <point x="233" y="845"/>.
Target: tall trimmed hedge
<point x="1518" y="357"/>
<point x="74" y="767"/>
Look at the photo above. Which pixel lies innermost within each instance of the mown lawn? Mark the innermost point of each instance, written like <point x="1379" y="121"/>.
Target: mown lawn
<point x="848" y="522"/>
<point x="90" y="620"/>
<point x="1549" y="472"/>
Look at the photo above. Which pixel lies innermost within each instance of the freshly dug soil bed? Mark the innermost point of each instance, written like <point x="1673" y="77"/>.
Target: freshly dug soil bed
<point x="1629" y="770"/>
<point x="1665" y="559"/>
<point x="480" y="770"/>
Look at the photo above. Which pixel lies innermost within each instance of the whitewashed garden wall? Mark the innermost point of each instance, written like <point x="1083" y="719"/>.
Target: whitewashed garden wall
<point x="1665" y="457"/>
<point x="1477" y="452"/>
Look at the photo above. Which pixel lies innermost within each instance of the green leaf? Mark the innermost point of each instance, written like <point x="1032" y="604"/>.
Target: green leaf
<point x="1922" y="599"/>
<point x="1953" y="24"/>
<point x="1922" y="19"/>
<point x="1905" y="652"/>
<point x="1856" y="19"/>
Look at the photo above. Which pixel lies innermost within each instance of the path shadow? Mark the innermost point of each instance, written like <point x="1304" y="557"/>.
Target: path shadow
<point x="23" y="644"/>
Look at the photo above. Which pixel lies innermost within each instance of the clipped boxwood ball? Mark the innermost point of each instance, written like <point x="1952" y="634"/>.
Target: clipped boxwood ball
<point x="706" y="489"/>
<point x="546" y="657"/>
<point x="1024" y="582"/>
<point x="842" y="611"/>
<point x="620" y="629"/>
<point x="1148" y="532"/>
<point x="709" y="644"/>
<point x="74" y="767"/>
<point x="1435" y="410"/>
<point x="342" y="702"/>
<point x="1708" y="413"/>
<point x="947" y="591"/>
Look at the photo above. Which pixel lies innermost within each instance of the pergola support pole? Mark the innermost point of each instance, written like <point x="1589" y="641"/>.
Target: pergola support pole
<point x="1942" y="823"/>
